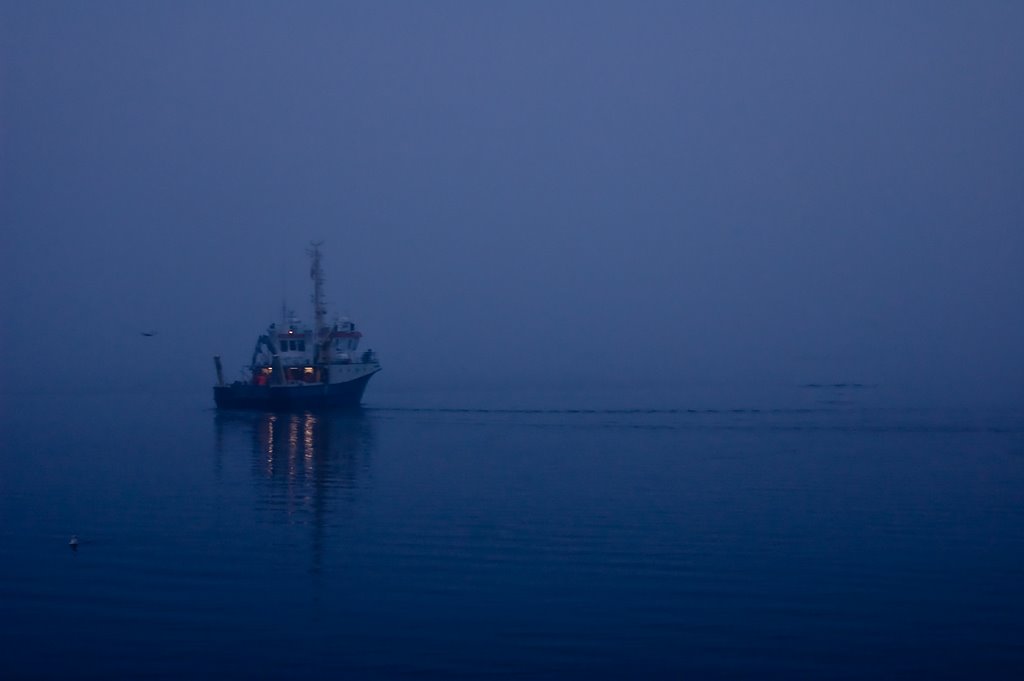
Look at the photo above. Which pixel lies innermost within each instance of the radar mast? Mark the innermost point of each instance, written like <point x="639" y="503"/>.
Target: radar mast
<point x="316" y="273"/>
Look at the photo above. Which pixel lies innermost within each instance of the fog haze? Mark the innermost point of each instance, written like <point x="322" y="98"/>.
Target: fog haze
<point x="525" y="193"/>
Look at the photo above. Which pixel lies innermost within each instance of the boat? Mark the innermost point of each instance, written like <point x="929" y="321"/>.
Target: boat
<point x="295" y="366"/>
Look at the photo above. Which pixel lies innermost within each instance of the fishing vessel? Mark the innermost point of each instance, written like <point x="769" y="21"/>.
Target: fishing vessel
<point x="299" y="366"/>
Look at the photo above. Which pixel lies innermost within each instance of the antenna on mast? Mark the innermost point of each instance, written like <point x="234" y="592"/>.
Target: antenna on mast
<point x="284" y="295"/>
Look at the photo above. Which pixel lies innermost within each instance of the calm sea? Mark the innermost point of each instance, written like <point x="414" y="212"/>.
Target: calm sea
<point x="468" y="536"/>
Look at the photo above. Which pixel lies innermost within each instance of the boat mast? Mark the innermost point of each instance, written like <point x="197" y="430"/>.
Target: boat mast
<point x="316" y="273"/>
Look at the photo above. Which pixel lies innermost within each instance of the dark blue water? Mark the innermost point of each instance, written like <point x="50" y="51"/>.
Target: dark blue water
<point x="470" y="536"/>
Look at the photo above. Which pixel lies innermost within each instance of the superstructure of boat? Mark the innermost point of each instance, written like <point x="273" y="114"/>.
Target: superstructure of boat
<point x="297" y="366"/>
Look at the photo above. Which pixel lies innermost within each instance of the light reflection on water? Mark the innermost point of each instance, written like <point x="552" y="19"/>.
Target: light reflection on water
<point x="304" y="454"/>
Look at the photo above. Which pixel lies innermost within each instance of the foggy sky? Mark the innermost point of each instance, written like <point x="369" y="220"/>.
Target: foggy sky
<point x="519" y="192"/>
